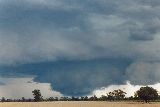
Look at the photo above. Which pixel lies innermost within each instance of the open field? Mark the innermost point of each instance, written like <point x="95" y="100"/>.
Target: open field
<point x="79" y="104"/>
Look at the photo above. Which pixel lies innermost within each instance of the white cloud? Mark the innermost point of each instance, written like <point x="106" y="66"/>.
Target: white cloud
<point x="23" y="87"/>
<point x="50" y="30"/>
<point x="128" y="88"/>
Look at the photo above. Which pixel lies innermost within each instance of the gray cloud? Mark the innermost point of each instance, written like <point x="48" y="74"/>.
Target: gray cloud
<point x="73" y="77"/>
<point x="42" y="30"/>
<point x="35" y="31"/>
<point x="143" y="72"/>
<point x="141" y="35"/>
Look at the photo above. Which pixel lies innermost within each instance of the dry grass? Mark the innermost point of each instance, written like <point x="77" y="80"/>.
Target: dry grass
<point x="79" y="104"/>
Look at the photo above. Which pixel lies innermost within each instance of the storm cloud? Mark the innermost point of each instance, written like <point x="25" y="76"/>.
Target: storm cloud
<point x="80" y="45"/>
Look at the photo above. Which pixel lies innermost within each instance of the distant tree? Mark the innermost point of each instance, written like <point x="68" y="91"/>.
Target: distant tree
<point x="119" y="94"/>
<point x="93" y="98"/>
<point x="50" y="99"/>
<point x="64" y="99"/>
<point x="56" y="99"/>
<point x="3" y="99"/>
<point x="103" y="98"/>
<point x="85" y="98"/>
<point x="23" y="99"/>
<point x="82" y="98"/>
<point x="130" y="98"/>
<point x="116" y="95"/>
<point x="37" y="95"/>
<point x="74" y="98"/>
<point x="110" y="96"/>
<point x="147" y="93"/>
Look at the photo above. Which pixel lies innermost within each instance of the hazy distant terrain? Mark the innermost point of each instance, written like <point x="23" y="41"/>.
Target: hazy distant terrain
<point x="79" y="104"/>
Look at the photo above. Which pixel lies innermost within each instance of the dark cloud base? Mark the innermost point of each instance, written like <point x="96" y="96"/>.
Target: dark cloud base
<point x="73" y="77"/>
<point x="36" y="34"/>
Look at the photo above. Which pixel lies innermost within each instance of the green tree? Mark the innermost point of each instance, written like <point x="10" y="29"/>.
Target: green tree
<point x="37" y="95"/>
<point x="116" y="95"/>
<point x="147" y="93"/>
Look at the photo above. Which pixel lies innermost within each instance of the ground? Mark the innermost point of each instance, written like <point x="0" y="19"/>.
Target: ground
<point x="80" y="104"/>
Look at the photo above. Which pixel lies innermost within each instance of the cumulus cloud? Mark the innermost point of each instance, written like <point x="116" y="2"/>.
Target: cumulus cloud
<point x="128" y="88"/>
<point x="23" y="87"/>
<point x="51" y="31"/>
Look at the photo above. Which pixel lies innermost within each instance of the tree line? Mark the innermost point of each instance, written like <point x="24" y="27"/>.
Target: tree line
<point x="145" y="94"/>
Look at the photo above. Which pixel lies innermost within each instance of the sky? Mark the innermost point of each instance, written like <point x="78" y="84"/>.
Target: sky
<point x="78" y="47"/>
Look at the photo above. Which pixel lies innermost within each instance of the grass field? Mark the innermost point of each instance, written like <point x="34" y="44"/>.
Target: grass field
<point x="79" y="104"/>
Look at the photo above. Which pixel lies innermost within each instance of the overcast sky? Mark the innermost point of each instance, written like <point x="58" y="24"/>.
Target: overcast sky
<point x="73" y="47"/>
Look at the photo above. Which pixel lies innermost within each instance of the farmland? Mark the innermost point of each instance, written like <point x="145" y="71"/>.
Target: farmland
<point x="78" y="104"/>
